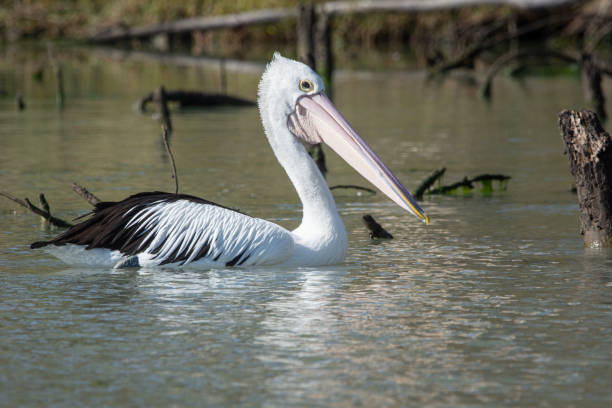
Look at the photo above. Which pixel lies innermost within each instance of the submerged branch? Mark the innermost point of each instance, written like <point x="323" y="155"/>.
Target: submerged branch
<point x="428" y="182"/>
<point x="26" y="203"/>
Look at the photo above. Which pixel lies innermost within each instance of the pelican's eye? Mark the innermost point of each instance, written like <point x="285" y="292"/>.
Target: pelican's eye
<point x="306" y="85"/>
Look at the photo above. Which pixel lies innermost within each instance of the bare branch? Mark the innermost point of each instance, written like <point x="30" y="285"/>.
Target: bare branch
<point x="165" y="137"/>
<point x="85" y="194"/>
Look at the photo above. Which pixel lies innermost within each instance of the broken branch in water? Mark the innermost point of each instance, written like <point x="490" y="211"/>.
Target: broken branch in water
<point x="466" y="184"/>
<point x="85" y="194"/>
<point x="428" y="182"/>
<point x="26" y="203"/>
<point x="167" y="145"/>
<point x="376" y="230"/>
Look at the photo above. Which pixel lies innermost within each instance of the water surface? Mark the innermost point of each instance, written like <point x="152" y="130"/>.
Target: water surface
<point x="496" y="303"/>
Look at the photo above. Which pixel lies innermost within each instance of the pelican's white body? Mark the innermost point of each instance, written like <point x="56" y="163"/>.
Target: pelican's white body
<point x="186" y="226"/>
<point x="319" y="240"/>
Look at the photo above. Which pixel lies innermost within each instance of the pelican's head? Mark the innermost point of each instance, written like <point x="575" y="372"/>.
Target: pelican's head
<point x="296" y="96"/>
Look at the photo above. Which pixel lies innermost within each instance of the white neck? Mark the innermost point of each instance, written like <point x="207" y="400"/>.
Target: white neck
<point x="321" y="237"/>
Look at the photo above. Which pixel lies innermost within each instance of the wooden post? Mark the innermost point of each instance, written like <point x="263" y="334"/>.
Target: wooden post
<point x="305" y="34"/>
<point x="589" y="149"/>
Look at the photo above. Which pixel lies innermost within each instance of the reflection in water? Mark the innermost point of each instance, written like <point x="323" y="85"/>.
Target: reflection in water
<point x="301" y="322"/>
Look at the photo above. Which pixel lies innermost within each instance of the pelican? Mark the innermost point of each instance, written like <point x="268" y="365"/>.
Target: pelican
<point x="154" y="228"/>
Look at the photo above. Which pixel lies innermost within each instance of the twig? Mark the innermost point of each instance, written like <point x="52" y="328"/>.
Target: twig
<point x="44" y="203"/>
<point x="46" y="215"/>
<point x="369" y="190"/>
<point x="428" y="182"/>
<point x="165" y="137"/>
<point x="85" y="194"/>
<point x="376" y="230"/>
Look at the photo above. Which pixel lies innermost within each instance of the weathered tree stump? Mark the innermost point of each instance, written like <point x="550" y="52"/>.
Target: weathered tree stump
<point x="589" y="149"/>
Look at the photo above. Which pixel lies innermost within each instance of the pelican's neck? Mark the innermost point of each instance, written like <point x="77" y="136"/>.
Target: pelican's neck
<point x="321" y="230"/>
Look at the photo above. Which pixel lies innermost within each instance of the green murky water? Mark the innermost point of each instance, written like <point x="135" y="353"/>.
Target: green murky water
<point x="496" y="303"/>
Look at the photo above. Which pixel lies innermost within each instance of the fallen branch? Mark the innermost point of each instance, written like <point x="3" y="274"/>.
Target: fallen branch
<point x="195" y="99"/>
<point x="376" y="230"/>
<point x="45" y="214"/>
<point x="485" y="179"/>
<point x="465" y="183"/>
<point x="85" y="194"/>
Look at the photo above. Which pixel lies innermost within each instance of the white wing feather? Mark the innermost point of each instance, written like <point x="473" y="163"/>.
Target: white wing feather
<point x="182" y="228"/>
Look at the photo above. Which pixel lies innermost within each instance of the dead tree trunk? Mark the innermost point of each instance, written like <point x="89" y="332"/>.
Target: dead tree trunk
<point x="589" y="148"/>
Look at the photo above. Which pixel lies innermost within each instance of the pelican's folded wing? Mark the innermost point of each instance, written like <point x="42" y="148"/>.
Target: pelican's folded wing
<point x="162" y="228"/>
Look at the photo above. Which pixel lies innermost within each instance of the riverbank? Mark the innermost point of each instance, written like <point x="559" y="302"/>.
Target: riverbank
<point x="434" y="33"/>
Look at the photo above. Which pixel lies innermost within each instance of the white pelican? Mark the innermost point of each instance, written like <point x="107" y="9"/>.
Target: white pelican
<point x="151" y="229"/>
